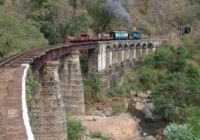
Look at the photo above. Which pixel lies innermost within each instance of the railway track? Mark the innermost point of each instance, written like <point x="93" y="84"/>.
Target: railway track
<point x="17" y="59"/>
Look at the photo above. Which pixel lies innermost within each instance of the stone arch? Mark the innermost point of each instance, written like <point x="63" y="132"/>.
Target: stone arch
<point x="144" y="45"/>
<point x="120" y="47"/>
<point x="108" y="48"/>
<point x="138" y="50"/>
<point x="132" y="46"/>
<point x="138" y="46"/>
<point x="114" y="47"/>
<point x="150" y="45"/>
<point x="144" y="49"/>
<point x="126" y="47"/>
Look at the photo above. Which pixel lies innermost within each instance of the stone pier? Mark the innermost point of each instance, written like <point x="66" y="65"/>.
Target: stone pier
<point x="48" y="118"/>
<point x="72" y="85"/>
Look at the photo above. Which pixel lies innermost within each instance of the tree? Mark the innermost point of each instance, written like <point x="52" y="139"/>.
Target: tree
<point x="1" y="2"/>
<point x="98" y="9"/>
<point x="147" y="78"/>
<point x="170" y="96"/>
<point x="18" y="34"/>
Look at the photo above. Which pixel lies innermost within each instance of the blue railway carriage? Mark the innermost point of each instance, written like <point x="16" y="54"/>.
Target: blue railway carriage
<point x="135" y="35"/>
<point x="119" y="35"/>
<point x="123" y="35"/>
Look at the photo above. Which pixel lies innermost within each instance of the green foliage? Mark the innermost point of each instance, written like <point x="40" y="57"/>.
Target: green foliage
<point x="73" y="3"/>
<point x="31" y="84"/>
<point x="74" y="129"/>
<point x="56" y="27"/>
<point x="79" y="24"/>
<point x="98" y="135"/>
<point x="123" y="89"/>
<point x="2" y="2"/>
<point x="171" y="95"/>
<point x="17" y="34"/>
<point x="178" y="132"/>
<point x="98" y="9"/>
<point x="93" y="85"/>
<point x="168" y="57"/>
<point x="194" y="119"/>
<point x="148" y="78"/>
<point x="174" y="78"/>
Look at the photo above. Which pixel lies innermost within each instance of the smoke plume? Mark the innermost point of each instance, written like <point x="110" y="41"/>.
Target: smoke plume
<point x="116" y="7"/>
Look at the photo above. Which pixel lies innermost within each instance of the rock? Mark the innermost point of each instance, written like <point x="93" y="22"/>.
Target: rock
<point x="151" y="106"/>
<point x="149" y="138"/>
<point x="98" y="113"/>
<point x="148" y="116"/>
<point x="142" y="95"/>
<point x="99" y="107"/>
<point x="139" y="106"/>
<point x="108" y="111"/>
<point x="149" y="92"/>
<point x="136" y="99"/>
<point x="133" y="93"/>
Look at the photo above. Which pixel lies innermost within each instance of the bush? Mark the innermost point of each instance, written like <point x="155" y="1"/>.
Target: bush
<point x="74" y="129"/>
<point x="194" y="120"/>
<point x="98" y="135"/>
<point x="173" y="77"/>
<point x="123" y="89"/>
<point x="175" y="131"/>
<point x="170" y="95"/>
<point x="31" y="84"/>
<point x="92" y="86"/>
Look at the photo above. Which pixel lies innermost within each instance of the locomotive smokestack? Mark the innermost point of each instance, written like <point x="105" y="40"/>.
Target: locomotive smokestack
<point x="116" y="7"/>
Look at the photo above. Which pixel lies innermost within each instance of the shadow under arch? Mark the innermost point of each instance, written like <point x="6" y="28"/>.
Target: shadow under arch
<point x="120" y="47"/>
<point x="108" y="48"/>
<point x="114" y="48"/>
<point x="138" y="46"/>
<point x="132" y="46"/>
<point x="144" y="46"/>
<point x="150" y="45"/>
<point x="126" y="47"/>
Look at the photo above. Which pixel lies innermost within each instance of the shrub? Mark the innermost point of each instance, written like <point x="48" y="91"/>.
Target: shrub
<point x="175" y="131"/>
<point x="98" y="135"/>
<point x="92" y="86"/>
<point x="121" y="90"/>
<point x="31" y="84"/>
<point x="194" y="120"/>
<point x="74" y="129"/>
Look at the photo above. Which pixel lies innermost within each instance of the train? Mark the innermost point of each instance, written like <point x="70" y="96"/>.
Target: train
<point x="114" y="35"/>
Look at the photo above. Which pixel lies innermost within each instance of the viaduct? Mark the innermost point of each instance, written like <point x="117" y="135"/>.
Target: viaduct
<point x="60" y="89"/>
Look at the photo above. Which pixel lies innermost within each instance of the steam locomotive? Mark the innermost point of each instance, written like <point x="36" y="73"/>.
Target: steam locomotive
<point x="114" y="35"/>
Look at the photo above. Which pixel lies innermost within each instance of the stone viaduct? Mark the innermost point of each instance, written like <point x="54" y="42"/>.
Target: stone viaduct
<point x="60" y="89"/>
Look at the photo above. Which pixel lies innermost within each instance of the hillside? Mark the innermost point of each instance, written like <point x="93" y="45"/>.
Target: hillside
<point x="171" y="74"/>
<point x="58" y="19"/>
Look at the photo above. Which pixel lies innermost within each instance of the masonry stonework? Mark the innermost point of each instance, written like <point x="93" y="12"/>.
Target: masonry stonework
<point x="111" y="59"/>
<point x="72" y="85"/>
<point x="48" y="118"/>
